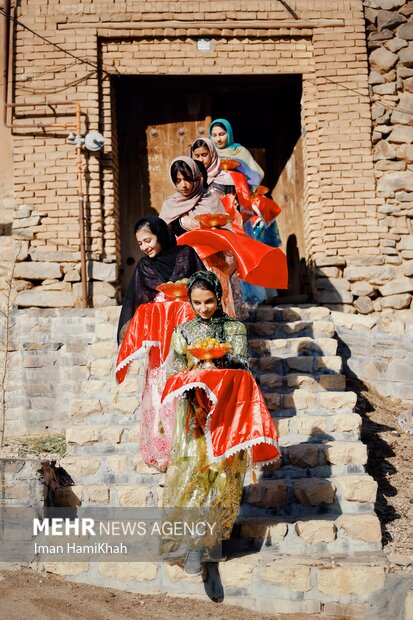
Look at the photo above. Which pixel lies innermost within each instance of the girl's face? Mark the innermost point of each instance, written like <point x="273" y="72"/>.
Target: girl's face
<point x="148" y="242"/>
<point x="204" y="302"/>
<point x="202" y="154"/>
<point x="183" y="186"/>
<point x="219" y="136"/>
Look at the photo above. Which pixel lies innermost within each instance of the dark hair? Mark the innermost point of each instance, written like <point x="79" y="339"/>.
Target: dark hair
<point x="220" y="125"/>
<point x="159" y="228"/>
<point x="203" y="284"/>
<point x="197" y="145"/>
<point x="203" y="172"/>
<point x="183" y="168"/>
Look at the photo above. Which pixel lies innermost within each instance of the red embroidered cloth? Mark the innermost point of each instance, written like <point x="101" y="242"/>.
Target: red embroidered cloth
<point x="238" y="417"/>
<point x="257" y="263"/>
<point x="151" y="326"/>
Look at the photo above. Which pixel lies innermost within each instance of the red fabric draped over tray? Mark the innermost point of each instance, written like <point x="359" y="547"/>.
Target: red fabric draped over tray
<point x="151" y="326"/>
<point x="257" y="263"/>
<point x="238" y="417"/>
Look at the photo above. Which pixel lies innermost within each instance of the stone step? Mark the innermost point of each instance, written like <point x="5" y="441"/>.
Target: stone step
<point x="293" y="364"/>
<point x="301" y="400"/>
<point x="291" y="329"/>
<point x="316" y="382"/>
<point x="327" y="426"/>
<point x="286" y="347"/>
<point x="278" y="313"/>
<point x="333" y="534"/>
<point x="353" y="493"/>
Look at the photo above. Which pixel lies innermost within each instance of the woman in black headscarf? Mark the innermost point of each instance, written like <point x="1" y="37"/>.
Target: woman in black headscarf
<point x="163" y="261"/>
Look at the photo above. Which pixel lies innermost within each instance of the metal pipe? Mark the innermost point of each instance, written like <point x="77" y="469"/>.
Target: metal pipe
<point x="6" y="57"/>
<point x="81" y="198"/>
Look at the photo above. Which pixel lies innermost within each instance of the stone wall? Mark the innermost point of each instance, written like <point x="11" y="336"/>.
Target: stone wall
<point x="383" y="282"/>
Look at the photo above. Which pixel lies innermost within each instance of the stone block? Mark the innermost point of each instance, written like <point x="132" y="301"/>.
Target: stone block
<point x="296" y="327"/>
<point x="304" y="455"/>
<point x="358" y="488"/>
<point x="55" y="256"/>
<point x="104" y="349"/>
<point x="364" y="305"/>
<point x="238" y="572"/>
<point x="327" y="272"/>
<point x="332" y="382"/>
<point x="299" y="400"/>
<point x="283" y="574"/>
<point x="282" y="426"/>
<point x="317" y="313"/>
<point x="345" y="453"/>
<point x="66" y="569"/>
<point x="408" y="606"/>
<point x="397" y="302"/>
<point x="362" y="289"/>
<point x="140" y="466"/>
<point x="260" y="528"/>
<point x="351" y="579"/>
<point x="396" y="181"/>
<point x="316" y="531"/>
<point x="82" y="435"/>
<point x="408" y="268"/>
<point x="37" y="271"/>
<point x="176" y="574"/>
<point x="355" y="611"/>
<point x="128" y="571"/>
<point x="79" y="468"/>
<point x="268" y="494"/>
<point x="381" y="60"/>
<point x="360" y="527"/>
<point x="271" y="380"/>
<point x="107" y="272"/>
<point x="311" y="425"/>
<point x="401" y="135"/>
<point x="264" y="329"/>
<point x="112" y="434"/>
<point x="332" y="363"/>
<point x="44" y="299"/>
<point x="265" y="314"/>
<point x="99" y="494"/>
<point x="102" y="367"/>
<point x="80" y="409"/>
<point x="133" y="496"/>
<point x="296" y="380"/>
<point x="314" y="491"/>
<point x="347" y="423"/>
<point x="399" y="285"/>
<point x="375" y="275"/>
<point x="105" y="331"/>
<point x="93" y="386"/>
<point x="273" y="401"/>
<point x="303" y="364"/>
<point x="338" y="400"/>
<point x="323" y="328"/>
<point x="118" y="463"/>
<point x="353" y="321"/>
<point x="330" y="261"/>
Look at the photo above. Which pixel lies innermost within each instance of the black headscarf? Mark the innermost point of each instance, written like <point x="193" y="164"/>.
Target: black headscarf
<point x="172" y="263"/>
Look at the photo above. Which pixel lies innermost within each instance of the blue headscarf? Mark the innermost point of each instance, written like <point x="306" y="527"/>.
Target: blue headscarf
<point x="230" y="144"/>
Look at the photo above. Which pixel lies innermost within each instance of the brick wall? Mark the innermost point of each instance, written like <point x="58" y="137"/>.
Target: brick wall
<point x="135" y="39"/>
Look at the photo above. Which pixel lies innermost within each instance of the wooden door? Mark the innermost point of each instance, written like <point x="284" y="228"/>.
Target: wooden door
<point x="154" y="126"/>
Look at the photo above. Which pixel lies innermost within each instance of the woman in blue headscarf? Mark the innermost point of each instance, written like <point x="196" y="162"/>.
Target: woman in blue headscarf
<point x="220" y="132"/>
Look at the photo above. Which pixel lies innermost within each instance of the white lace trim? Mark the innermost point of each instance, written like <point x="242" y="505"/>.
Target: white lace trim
<point x="147" y="344"/>
<point x="189" y="386"/>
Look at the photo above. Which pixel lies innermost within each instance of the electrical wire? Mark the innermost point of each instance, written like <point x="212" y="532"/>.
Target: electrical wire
<point x="56" y="45"/>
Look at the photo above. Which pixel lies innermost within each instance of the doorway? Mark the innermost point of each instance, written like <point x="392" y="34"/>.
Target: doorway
<point x="158" y="118"/>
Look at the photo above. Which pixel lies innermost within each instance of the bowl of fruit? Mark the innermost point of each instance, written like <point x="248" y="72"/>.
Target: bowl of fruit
<point x="176" y="290"/>
<point x="208" y="350"/>
<point x="214" y="220"/>
<point x="229" y="164"/>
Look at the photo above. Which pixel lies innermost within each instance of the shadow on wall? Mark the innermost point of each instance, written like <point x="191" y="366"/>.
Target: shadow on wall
<point x="379" y="451"/>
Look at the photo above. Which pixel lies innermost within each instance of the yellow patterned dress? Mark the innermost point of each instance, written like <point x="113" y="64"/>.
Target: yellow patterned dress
<point x="194" y="487"/>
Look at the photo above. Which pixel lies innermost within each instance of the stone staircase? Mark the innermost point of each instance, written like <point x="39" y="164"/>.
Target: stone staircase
<point x="307" y="539"/>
